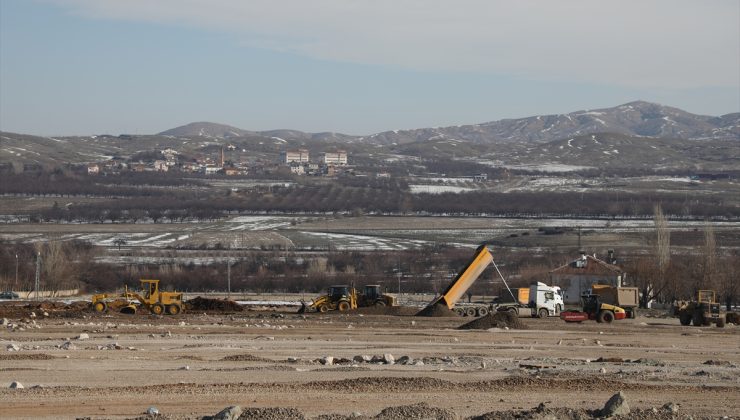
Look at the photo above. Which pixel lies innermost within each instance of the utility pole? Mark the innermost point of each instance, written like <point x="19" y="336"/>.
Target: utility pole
<point x="38" y="275"/>
<point x="228" y="277"/>
<point x="399" y="276"/>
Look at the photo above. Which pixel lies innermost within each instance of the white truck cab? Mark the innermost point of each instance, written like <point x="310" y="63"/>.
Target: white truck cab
<point x="545" y="300"/>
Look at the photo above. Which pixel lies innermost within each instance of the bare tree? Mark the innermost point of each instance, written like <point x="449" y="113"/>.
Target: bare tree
<point x="709" y="277"/>
<point x="663" y="251"/>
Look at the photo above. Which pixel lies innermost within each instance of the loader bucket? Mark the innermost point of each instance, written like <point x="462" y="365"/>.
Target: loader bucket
<point x="129" y="310"/>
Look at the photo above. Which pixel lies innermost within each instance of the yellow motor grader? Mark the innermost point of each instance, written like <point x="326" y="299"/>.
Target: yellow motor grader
<point x="150" y="297"/>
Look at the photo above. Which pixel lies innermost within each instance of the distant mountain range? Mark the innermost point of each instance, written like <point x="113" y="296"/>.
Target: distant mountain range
<point x="634" y="135"/>
<point x="638" y="118"/>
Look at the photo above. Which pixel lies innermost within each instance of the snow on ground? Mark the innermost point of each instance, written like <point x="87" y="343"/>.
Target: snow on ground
<point x="261" y="222"/>
<point x="437" y="189"/>
<point x="366" y="243"/>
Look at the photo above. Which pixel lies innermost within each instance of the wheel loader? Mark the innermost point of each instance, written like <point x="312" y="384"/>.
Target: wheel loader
<point x="704" y="311"/>
<point x="343" y="298"/>
<point x="150" y="297"/>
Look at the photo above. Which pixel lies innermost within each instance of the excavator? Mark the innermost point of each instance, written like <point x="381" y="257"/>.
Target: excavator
<point x="151" y="297"/>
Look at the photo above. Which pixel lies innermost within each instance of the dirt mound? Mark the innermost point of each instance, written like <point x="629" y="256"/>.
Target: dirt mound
<point x="245" y="358"/>
<point x="205" y="304"/>
<point x="436" y="311"/>
<point x="271" y="413"/>
<point x="504" y="319"/>
<point x="416" y="411"/>
<point x="388" y="310"/>
<point x="26" y="356"/>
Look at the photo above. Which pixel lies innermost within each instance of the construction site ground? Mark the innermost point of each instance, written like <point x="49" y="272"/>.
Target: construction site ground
<point x="73" y="363"/>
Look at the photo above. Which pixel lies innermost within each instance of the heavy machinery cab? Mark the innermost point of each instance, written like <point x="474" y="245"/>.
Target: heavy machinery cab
<point x="338" y="292"/>
<point x="149" y="288"/>
<point x="372" y="292"/>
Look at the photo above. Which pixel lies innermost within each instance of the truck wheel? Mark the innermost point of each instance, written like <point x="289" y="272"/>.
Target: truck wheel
<point x="685" y="319"/>
<point x="720" y="322"/>
<point x="605" y="316"/>
<point x="697" y="320"/>
<point x="460" y="311"/>
<point x="379" y="303"/>
<point x="633" y="313"/>
<point x="343" y="306"/>
<point x="482" y="311"/>
<point x="100" y="307"/>
<point x="157" y="309"/>
<point x="174" y="309"/>
<point x="543" y="313"/>
<point x="470" y="312"/>
<point x="323" y="308"/>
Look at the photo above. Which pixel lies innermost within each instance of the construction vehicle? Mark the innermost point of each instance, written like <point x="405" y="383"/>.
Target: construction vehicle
<point x="372" y="295"/>
<point x="543" y="300"/>
<point x="624" y="297"/>
<point x="150" y="297"/>
<point x="594" y="309"/>
<point x="342" y="298"/>
<point x="705" y="310"/>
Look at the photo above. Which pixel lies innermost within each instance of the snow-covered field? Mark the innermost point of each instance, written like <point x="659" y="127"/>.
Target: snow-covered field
<point x="437" y="189"/>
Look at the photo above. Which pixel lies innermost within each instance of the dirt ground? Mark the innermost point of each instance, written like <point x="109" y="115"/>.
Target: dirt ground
<point x="74" y="363"/>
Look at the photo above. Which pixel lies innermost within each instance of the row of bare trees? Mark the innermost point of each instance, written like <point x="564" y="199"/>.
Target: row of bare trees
<point x="663" y="277"/>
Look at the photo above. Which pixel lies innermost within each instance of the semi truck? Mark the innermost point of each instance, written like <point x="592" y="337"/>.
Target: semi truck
<point x="539" y="300"/>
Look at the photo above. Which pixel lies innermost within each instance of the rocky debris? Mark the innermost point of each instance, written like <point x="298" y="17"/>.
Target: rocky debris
<point x="501" y="319"/>
<point x="616" y="406"/>
<point x="5" y="322"/>
<point x="12" y="347"/>
<point x="272" y="413"/>
<point x="229" y="413"/>
<point x="112" y="346"/>
<point x="718" y="363"/>
<point x="671" y="407"/>
<point x="416" y="411"/>
<point x="26" y="356"/>
<point x="388" y="359"/>
<point x="436" y="310"/>
<point x="68" y="345"/>
<point x="152" y="411"/>
<point x="83" y="336"/>
<point x="205" y="304"/>
<point x="245" y="358"/>
<point x="16" y="385"/>
<point x="327" y="360"/>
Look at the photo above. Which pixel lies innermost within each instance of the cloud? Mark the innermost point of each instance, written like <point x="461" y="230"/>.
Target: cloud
<point x="676" y="44"/>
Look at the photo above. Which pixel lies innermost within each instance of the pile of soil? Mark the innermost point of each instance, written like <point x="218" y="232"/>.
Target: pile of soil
<point x="245" y="358"/>
<point x="388" y="310"/>
<point x="416" y="411"/>
<point x="733" y="318"/>
<point x="436" y="310"/>
<point x="503" y="319"/>
<point x="272" y="413"/>
<point x="26" y="356"/>
<point x="205" y="304"/>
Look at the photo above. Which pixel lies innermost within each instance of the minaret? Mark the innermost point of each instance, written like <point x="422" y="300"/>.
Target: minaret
<point x="222" y="157"/>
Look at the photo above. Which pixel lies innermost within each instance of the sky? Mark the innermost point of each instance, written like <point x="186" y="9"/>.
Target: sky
<point x="82" y="67"/>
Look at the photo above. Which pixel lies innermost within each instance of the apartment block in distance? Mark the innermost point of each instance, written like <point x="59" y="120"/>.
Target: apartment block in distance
<point x="335" y="158"/>
<point x="294" y="156"/>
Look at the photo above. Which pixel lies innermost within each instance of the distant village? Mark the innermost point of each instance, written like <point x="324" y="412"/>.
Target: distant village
<point x="297" y="161"/>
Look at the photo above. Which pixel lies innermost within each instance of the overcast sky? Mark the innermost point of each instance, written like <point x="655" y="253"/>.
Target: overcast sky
<point x="354" y="66"/>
